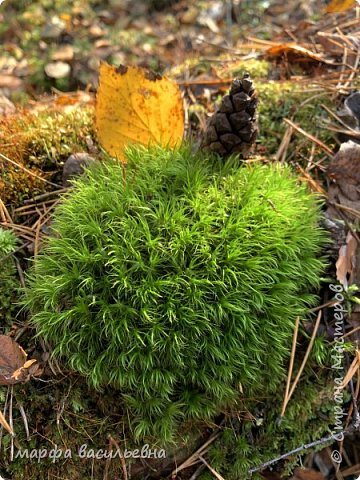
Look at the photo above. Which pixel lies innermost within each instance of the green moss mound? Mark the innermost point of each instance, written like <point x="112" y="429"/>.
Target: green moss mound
<point x="177" y="279"/>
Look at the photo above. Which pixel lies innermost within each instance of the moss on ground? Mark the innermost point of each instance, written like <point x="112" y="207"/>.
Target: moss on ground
<point x="66" y="413"/>
<point x="259" y="437"/>
<point x="279" y="100"/>
<point x="39" y="142"/>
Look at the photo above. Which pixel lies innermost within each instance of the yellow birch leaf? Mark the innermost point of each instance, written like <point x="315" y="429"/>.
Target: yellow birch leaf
<point x="340" y="6"/>
<point x="134" y="106"/>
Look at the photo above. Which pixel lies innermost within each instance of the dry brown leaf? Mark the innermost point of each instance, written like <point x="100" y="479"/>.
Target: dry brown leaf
<point x="340" y="6"/>
<point x="14" y="368"/>
<point x="11" y="82"/>
<point x="296" y="50"/>
<point x="22" y="372"/>
<point x="344" y="168"/>
<point x="134" y="106"/>
<point x="345" y="262"/>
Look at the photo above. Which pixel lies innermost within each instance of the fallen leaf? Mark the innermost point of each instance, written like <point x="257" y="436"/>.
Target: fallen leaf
<point x="14" y="368"/>
<point x="11" y="82"/>
<point x="340" y="5"/>
<point x="346" y="261"/>
<point x="57" y="69"/>
<point x="19" y="374"/>
<point x="102" y="43"/>
<point x="96" y="31"/>
<point x="136" y="106"/>
<point x="296" y="50"/>
<point x="63" y="54"/>
<point x="344" y="193"/>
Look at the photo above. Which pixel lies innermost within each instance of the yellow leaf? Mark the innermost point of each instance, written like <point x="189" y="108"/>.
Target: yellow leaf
<point x="137" y="107"/>
<point x="340" y="5"/>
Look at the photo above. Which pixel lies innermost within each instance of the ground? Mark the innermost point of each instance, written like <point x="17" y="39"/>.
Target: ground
<point x="48" y="78"/>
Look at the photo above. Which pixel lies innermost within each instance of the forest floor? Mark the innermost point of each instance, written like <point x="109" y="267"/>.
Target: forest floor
<point x="304" y="60"/>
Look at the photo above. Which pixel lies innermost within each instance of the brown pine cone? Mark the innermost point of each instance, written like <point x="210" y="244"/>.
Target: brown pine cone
<point x="233" y="127"/>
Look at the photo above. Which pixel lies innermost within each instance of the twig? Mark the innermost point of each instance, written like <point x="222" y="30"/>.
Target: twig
<point x="108" y="461"/>
<point x="29" y="171"/>
<point x="197" y="472"/>
<point x="214" y="472"/>
<point x="5" y="424"/>
<point x="356" y="213"/>
<point x="2" y="415"/>
<point x="26" y="424"/>
<point x="11" y="422"/>
<point x="339" y="119"/>
<point x="291" y="366"/>
<point x="284" y="145"/>
<point x="356" y="329"/>
<point x="20" y="273"/>
<point x="355" y="396"/>
<point x="122" y="459"/>
<point x="307" y="353"/>
<point x="21" y="228"/>
<point x="44" y="195"/>
<point x="189" y="461"/>
<point x="330" y="303"/>
<point x="8" y="255"/>
<point x="5" y="213"/>
<point x="309" y="136"/>
<point x="349" y="133"/>
<point x="28" y="208"/>
<point x="300" y="449"/>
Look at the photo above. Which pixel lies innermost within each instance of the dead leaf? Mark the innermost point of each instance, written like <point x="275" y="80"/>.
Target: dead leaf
<point x="346" y="164"/>
<point x="63" y="54"/>
<point x="21" y="372"/>
<point x="57" y="70"/>
<point x="346" y="260"/>
<point x="295" y="50"/>
<point x="340" y="6"/>
<point x="136" y="106"/>
<point x="344" y="169"/>
<point x="10" y="81"/>
<point x="14" y="368"/>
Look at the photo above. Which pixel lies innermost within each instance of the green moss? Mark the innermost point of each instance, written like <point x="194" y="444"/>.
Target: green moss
<point x="279" y="100"/>
<point x="9" y="284"/>
<point x="248" y="443"/>
<point x="258" y="69"/>
<point x="40" y="142"/>
<point x="57" y="134"/>
<point x="65" y="414"/>
<point x="168" y="286"/>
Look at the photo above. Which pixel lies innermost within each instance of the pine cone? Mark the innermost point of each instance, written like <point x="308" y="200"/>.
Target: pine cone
<point x="233" y="127"/>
